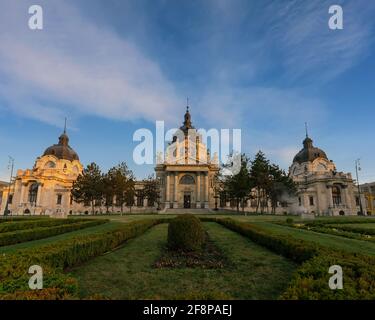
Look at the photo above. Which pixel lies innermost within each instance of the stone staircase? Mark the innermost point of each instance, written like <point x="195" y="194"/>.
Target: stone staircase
<point x="184" y="210"/>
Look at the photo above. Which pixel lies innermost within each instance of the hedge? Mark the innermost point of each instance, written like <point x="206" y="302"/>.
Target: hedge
<point x="29" y="224"/>
<point x="13" y="237"/>
<point x="55" y="258"/>
<point x="310" y="281"/>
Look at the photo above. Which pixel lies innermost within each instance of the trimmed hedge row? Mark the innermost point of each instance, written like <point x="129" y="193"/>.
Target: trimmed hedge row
<point x="287" y="246"/>
<point x="311" y="278"/>
<point x="29" y="224"/>
<point x="345" y="220"/>
<point x="13" y="237"/>
<point x="54" y="258"/>
<point x="349" y="228"/>
<point x="21" y="218"/>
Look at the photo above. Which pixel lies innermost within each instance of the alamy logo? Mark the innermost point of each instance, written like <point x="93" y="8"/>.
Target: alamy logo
<point x="335" y="282"/>
<point x="225" y="147"/>
<point x="36" y="20"/>
<point x="36" y="280"/>
<point x="336" y="21"/>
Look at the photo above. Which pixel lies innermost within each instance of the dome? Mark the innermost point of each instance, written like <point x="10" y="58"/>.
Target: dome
<point x="309" y="153"/>
<point x="62" y="150"/>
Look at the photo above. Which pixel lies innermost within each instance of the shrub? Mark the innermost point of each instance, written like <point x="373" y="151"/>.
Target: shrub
<point x="14" y="225"/>
<point x="311" y="279"/>
<point x="56" y="257"/>
<point x="185" y="233"/>
<point x="8" y="238"/>
<point x="289" y="220"/>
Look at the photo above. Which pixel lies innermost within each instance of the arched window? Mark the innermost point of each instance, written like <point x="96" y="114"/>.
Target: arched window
<point x="186" y="179"/>
<point x="33" y="192"/>
<point x="336" y="195"/>
<point x="50" y="165"/>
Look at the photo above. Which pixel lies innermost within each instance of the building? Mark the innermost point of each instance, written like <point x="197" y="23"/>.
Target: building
<point x="186" y="174"/>
<point x="45" y="189"/>
<point x="186" y="180"/>
<point x="368" y="192"/>
<point x="322" y="190"/>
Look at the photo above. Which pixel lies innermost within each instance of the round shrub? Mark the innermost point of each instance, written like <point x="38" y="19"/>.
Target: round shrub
<point x="185" y="233"/>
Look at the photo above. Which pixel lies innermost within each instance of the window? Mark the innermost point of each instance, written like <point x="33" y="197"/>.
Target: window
<point x="10" y="199"/>
<point x="33" y="192"/>
<point x="187" y="180"/>
<point x="59" y="199"/>
<point x="311" y="201"/>
<point x="336" y="195"/>
<point x="140" y="201"/>
<point x="50" y="165"/>
<point x="299" y="201"/>
<point x="357" y="201"/>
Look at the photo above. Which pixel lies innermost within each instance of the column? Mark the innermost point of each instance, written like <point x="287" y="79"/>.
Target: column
<point x="206" y="190"/>
<point x="167" y="187"/>
<point x="330" y="200"/>
<point x="198" y="190"/>
<point x="22" y="193"/>
<point x="175" y="204"/>
<point x="38" y="197"/>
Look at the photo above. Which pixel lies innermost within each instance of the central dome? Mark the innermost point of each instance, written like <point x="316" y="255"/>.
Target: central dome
<point x="309" y="153"/>
<point x="62" y="150"/>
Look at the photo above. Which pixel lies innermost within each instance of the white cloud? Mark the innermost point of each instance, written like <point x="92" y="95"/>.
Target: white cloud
<point x="89" y="69"/>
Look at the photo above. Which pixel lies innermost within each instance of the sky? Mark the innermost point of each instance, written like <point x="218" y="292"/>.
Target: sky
<point x="112" y="67"/>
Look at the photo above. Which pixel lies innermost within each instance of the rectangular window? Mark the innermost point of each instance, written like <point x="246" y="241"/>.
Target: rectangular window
<point x="59" y="199"/>
<point x="10" y="199"/>
<point x="299" y="201"/>
<point x="357" y="201"/>
<point x="311" y="201"/>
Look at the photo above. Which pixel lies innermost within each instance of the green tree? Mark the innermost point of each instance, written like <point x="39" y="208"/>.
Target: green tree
<point x="238" y="186"/>
<point x="122" y="179"/>
<point x="151" y="190"/>
<point x="260" y="175"/>
<point x="88" y="187"/>
<point x="281" y="186"/>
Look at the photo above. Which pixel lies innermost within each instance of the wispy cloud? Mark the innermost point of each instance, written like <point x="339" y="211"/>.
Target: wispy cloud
<point x="76" y="66"/>
<point x="308" y="48"/>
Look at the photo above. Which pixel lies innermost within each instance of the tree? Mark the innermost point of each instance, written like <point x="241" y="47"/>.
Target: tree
<point x="88" y="186"/>
<point x="108" y="190"/>
<point x="260" y="175"/>
<point x="151" y="190"/>
<point x="130" y="194"/>
<point x="238" y="186"/>
<point x="122" y="179"/>
<point x="281" y="186"/>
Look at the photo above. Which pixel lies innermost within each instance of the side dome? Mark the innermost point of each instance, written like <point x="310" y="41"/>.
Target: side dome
<point x="309" y="153"/>
<point x="62" y="150"/>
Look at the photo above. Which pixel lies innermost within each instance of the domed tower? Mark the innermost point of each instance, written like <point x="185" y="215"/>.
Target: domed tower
<point x="310" y="159"/>
<point x="62" y="150"/>
<point x="45" y="189"/>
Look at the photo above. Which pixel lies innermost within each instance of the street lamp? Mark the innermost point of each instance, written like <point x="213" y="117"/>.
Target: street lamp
<point x="10" y="166"/>
<point x="358" y="168"/>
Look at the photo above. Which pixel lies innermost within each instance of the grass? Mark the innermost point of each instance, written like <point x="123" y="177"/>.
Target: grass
<point x="87" y="231"/>
<point x="127" y="273"/>
<point x="331" y="241"/>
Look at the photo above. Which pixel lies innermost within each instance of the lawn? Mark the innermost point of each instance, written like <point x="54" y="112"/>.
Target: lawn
<point x="127" y="273"/>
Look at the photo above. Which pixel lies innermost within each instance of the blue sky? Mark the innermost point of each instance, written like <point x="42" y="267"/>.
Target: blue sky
<point x="112" y="67"/>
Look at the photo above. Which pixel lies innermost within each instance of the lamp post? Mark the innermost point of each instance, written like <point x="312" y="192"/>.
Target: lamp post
<point x="10" y="166"/>
<point x="358" y="168"/>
